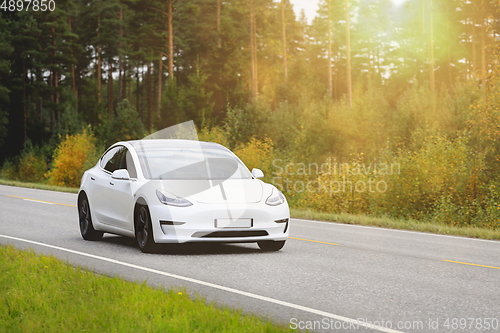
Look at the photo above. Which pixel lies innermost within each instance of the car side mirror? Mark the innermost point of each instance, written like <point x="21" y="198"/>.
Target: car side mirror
<point x="257" y="173"/>
<point x="120" y="174"/>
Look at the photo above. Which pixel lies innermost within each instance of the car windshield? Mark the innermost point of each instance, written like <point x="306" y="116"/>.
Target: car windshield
<point x="193" y="162"/>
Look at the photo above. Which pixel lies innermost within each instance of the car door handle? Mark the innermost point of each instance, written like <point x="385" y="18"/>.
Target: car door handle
<point x="92" y="178"/>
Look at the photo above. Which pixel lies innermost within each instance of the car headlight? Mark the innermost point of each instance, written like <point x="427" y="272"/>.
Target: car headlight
<point x="276" y="198"/>
<point x="177" y="201"/>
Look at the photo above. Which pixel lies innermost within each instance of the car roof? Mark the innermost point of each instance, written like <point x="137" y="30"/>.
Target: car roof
<point x="173" y="143"/>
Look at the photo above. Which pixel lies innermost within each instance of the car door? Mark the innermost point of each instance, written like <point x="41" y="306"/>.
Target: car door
<point x="120" y="196"/>
<point x="99" y="192"/>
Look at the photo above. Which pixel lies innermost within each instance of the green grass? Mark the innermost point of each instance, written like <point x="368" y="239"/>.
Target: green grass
<point x="38" y="186"/>
<point x="43" y="294"/>
<point x="387" y="222"/>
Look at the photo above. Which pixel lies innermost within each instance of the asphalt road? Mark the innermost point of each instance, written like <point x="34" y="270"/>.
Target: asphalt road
<point x="329" y="276"/>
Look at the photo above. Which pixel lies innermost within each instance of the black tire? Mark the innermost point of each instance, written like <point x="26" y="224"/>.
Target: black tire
<point x="271" y="245"/>
<point x="86" y="227"/>
<point x="144" y="230"/>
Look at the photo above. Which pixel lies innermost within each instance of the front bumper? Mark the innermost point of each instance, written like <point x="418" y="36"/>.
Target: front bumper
<point x="197" y="223"/>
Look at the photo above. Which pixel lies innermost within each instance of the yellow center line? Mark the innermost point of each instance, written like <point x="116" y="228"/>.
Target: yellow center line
<point x="466" y="263"/>
<point x="49" y="202"/>
<point x="310" y="240"/>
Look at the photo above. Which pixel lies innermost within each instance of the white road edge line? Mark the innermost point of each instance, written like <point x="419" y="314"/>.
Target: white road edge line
<point x="33" y="200"/>
<point x="212" y="285"/>
<point x="397" y="230"/>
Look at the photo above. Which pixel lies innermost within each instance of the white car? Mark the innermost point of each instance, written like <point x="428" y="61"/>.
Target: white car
<point x="176" y="191"/>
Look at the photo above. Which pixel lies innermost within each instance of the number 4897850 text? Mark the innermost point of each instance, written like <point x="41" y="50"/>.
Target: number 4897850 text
<point x="35" y="5"/>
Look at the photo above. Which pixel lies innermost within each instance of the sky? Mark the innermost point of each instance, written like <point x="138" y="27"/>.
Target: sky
<point x="310" y="7"/>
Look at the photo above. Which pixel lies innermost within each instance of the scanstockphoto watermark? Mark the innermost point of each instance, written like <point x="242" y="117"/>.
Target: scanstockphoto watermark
<point x="345" y="174"/>
<point x="330" y="324"/>
<point x="431" y="324"/>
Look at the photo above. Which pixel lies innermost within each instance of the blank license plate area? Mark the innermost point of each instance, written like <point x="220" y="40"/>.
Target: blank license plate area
<point x="233" y="223"/>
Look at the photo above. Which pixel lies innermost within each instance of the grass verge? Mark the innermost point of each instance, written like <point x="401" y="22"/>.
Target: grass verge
<point x="38" y="186"/>
<point x="386" y="222"/>
<point x="43" y="294"/>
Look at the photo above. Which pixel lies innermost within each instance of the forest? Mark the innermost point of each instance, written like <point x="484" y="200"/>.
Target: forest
<point x="405" y="95"/>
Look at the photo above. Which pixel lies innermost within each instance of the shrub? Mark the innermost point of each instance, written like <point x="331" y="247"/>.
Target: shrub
<point x="244" y="123"/>
<point x="75" y="154"/>
<point x="29" y="166"/>
<point x="257" y="154"/>
<point x="71" y="122"/>
<point x="348" y="187"/>
<point x="8" y="170"/>
<point x="215" y="134"/>
<point x="481" y="213"/>
<point x="126" y="126"/>
<point x="440" y="168"/>
<point x="32" y="164"/>
<point x="484" y="123"/>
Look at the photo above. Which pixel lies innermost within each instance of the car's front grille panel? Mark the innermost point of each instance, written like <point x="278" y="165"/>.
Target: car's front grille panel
<point x="230" y="234"/>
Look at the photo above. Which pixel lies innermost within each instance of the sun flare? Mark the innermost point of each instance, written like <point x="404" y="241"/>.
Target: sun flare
<point x="398" y="2"/>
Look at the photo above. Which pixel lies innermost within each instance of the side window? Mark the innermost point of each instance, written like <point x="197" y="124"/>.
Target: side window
<point x="109" y="160"/>
<point x="130" y="165"/>
<point x="126" y="162"/>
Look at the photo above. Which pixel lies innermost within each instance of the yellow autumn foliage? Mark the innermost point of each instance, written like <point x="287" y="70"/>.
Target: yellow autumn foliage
<point x="75" y="154"/>
<point x="257" y="154"/>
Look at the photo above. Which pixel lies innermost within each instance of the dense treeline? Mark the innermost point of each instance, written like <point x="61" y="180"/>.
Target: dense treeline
<point x="87" y="56"/>
<point x="365" y="81"/>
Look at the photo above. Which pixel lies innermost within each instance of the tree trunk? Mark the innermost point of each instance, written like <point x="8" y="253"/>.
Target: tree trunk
<point x="474" y="60"/>
<point x="253" y="53"/>
<point x="483" y="47"/>
<point x="99" y="60"/>
<point x="330" y="84"/>
<point x="219" y="44"/>
<point x="251" y="50"/>
<point x="110" y="88"/>
<point x="124" y="83"/>
<point x="39" y="78"/>
<point x="149" y="93"/>
<point x="336" y="76"/>
<point x="52" y="112"/>
<point x="431" y="61"/>
<point x="348" y="33"/>
<point x="24" y="100"/>
<point x="160" y="75"/>
<point x="283" y="29"/>
<point x="170" y="42"/>
<point x="483" y="52"/>
<point x="39" y="106"/>
<point x="423" y="41"/>
<point x="56" y="80"/>
<point x="129" y="85"/>
<point x="450" y="80"/>
<point x="73" y="79"/>
<point x="120" y="64"/>
<point x="379" y="76"/>
<point x="154" y="90"/>
<point x="369" y="63"/>
<point x="137" y="93"/>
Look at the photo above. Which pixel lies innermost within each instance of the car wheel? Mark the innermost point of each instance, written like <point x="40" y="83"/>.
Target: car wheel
<point x="271" y="245"/>
<point x="86" y="227"/>
<point x="144" y="230"/>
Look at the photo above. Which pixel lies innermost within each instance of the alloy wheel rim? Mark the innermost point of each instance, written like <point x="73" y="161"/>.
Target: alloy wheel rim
<point x="84" y="219"/>
<point x="143" y="227"/>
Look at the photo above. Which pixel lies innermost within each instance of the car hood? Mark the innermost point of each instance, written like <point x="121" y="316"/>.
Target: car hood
<point x="203" y="191"/>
